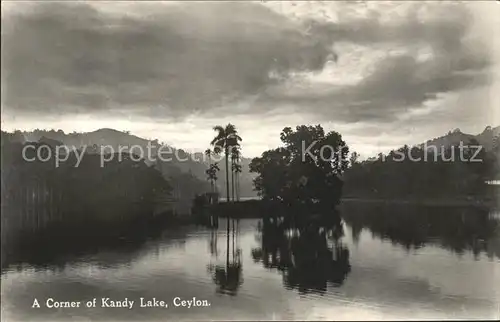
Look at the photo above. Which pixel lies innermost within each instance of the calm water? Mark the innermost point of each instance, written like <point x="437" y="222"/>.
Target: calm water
<point x="389" y="264"/>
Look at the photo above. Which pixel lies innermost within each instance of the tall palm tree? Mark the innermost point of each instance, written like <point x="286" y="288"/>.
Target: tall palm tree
<point x="235" y="157"/>
<point x="226" y="138"/>
<point x="211" y="175"/>
<point x="237" y="171"/>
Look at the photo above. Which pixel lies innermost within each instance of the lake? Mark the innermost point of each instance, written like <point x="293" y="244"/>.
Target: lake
<point x="387" y="263"/>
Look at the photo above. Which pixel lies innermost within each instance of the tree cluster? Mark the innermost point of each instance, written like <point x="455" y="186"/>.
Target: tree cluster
<point x="305" y="171"/>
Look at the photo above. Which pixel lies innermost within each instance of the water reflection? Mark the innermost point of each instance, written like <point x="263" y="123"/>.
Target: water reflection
<point x="373" y="279"/>
<point x="456" y="229"/>
<point x="310" y="259"/>
<point x="227" y="277"/>
<point x="45" y="251"/>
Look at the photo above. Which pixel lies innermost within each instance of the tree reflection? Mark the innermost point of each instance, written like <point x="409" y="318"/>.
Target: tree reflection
<point x="311" y="257"/>
<point x="228" y="277"/>
<point x="458" y="229"/>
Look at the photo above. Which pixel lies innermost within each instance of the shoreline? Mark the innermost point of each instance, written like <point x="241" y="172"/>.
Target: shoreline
<point x="448" y="202"/>
<point x="256" y="208"/>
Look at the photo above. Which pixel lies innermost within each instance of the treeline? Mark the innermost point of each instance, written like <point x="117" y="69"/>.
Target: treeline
<point x="413" y="172"/>
<point x="90" y="199"/>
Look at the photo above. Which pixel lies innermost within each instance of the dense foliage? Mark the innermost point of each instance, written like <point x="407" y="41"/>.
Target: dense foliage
<point x="418" y="173"/>
<point x="305" y="170"/>
<point x="36" y="192"/>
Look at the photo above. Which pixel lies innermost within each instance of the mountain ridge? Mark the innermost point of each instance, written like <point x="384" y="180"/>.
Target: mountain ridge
<point x="486" y="138"/>
<point x="196" y="163"/>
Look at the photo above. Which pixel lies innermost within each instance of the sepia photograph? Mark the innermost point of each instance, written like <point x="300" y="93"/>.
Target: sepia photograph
<point x="250" y="160"/>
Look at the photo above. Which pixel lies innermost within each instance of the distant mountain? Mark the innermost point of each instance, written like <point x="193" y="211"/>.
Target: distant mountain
<point x="107" y="138"/>
<point x="487" y="138"/>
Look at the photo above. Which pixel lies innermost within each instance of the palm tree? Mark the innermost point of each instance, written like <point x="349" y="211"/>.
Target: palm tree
<point x="212" y="175"/>
<point x="237" y="170"/>
<point x="226" y="138"/>
<point x="235" y="157"/>
<point x="209" y="153"/>
<point x="209" y="171"/>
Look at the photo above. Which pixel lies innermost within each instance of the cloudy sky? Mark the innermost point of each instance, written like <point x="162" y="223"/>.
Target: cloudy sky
<point x="381" y="73"/>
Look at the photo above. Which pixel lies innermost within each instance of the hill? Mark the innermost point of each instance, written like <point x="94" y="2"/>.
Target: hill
<point x="107" y="138"/>
<point x="453" y="138"/>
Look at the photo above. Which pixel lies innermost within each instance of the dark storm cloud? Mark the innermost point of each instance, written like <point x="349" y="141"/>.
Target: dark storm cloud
<point x="399" y="81"/>
<point x="187" y="58"/>
<point x="444" y="26"/>
<point x="174" y="61"/>
<point x="397" y="84"/>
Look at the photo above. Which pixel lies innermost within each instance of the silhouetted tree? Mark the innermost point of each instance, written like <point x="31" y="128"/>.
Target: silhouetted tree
<point x="305" y="171"/>
<point x="212" y="170"/>
<point x="226" y="138"/>
<point x="237" y="170"/>
<point x="235" y="158"/>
